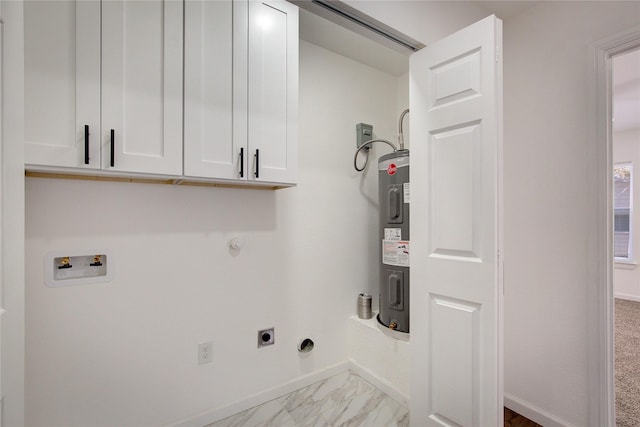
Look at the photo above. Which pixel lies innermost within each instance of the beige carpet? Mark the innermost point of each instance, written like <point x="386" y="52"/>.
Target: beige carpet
<point x="627" y="363"/>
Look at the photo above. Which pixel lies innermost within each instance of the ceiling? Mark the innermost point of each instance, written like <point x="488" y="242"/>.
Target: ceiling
<point x="506" y="8"/>
<point x="336" y="35"/>
<point x="345" y="42"/>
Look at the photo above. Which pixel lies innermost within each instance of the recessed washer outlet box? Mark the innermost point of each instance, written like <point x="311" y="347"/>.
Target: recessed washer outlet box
<point x="77" y="267"/>
<point x="266" y="337"/>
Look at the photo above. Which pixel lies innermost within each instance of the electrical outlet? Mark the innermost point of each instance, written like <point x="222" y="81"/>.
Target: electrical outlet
<point x="205" y="352"/>
<point x="266" y="337"/>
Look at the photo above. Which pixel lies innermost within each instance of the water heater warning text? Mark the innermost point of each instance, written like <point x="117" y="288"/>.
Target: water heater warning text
<point x="395" y="252"/>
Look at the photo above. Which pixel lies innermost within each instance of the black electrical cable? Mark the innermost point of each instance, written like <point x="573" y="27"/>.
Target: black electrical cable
<point x="366" y="145"/>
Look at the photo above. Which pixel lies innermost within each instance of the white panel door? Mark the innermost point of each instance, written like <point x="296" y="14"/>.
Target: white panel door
<point x="142" y="86"/>
<point x="215" y="135"/>
<point x="273" y="91"/>
<point x="62" y="83"/>
<point x="456" y="282"/>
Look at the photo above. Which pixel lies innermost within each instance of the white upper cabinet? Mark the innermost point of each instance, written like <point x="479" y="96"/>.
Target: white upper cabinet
<point x="62" y="83"/>
<point x="142" y="86"/>
<point x="273" y="91"/>
<point x="200" y="89"/>
<point x="212" y="144"/>
<point x="241" y="90"/>
<point x="125" y="81"/>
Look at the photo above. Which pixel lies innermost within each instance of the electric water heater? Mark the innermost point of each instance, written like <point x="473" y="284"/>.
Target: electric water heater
<point x="394" y="197"/>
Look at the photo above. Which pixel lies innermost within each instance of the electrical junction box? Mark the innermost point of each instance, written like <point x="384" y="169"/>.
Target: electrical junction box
<point x="364" y="133"/>
<point x="72" y="268"/>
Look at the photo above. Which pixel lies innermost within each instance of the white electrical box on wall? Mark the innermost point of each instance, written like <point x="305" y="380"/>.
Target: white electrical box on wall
<point x="72" y="268"/>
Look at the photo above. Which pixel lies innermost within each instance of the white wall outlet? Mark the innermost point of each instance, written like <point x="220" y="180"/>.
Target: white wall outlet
<point x="205" y="352"/>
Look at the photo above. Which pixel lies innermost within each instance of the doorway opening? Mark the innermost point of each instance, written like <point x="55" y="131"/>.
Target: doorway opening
<point x="602" y="219"/>
<point x="625" y="140"/>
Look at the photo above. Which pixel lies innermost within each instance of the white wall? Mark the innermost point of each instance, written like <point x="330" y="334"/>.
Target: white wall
<point x="546" y="101"/>
<point x="626" y="277"/>
<point x="124" y="353"/>
<point x="379" y="357"/>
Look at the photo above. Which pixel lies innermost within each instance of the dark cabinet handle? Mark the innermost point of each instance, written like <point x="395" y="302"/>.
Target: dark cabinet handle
<point x="86" y="144"/>
<point x="257" y="156"/>
<point x="241" y="162"/>
<point x="113" y="147"/>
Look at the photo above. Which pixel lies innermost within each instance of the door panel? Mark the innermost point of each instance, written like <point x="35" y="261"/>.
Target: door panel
<point x="273" y="90"/>
<point x="142" y="86"/>
<point x="455" y="79"/>
<point x="62" y="82"/>
<point x="456" y="285"/>
<point x="455" y="400"/>
<point x="455" y="191"/>
<point x="208" y="134"/>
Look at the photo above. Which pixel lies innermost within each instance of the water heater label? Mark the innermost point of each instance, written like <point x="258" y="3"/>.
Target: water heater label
<point x="407" y="192"/>
<point x="395" y="252"/>
<point x="393" y="234"/>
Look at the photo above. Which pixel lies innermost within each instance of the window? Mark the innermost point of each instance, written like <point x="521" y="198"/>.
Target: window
<point x="622" y="192"/>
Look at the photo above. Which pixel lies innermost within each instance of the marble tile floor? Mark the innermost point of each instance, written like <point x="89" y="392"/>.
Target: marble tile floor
<point x="344" y="400"/>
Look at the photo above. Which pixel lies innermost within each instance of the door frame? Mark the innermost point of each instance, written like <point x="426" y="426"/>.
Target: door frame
<point x="600" y="250"/>
<point x="12" y="204"/>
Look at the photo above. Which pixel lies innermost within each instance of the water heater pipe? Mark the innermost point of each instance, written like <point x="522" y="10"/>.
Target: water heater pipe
<point x="400" y="133"/>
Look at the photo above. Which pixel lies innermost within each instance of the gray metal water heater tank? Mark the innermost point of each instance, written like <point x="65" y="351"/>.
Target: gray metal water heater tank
<point x="394" y="197"/>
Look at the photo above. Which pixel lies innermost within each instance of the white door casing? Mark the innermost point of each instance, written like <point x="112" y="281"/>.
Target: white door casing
<point x="12" y="189"/>
<point x="601" y="292"/>
<point x="456" y="266"/>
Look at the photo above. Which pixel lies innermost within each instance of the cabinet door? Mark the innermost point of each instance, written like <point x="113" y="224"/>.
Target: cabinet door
<point x="142" y="86"/>
<point x="215" y="83"/>
<point x="273" y="90"/>
<point x="62" y="83"/>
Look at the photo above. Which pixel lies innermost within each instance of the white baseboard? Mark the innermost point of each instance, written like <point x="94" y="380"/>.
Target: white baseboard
<point x="533" y="413"/>
<point x="379" y="383"/>
<point x="217" y="414"/>
<point x="627" y="297"/>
